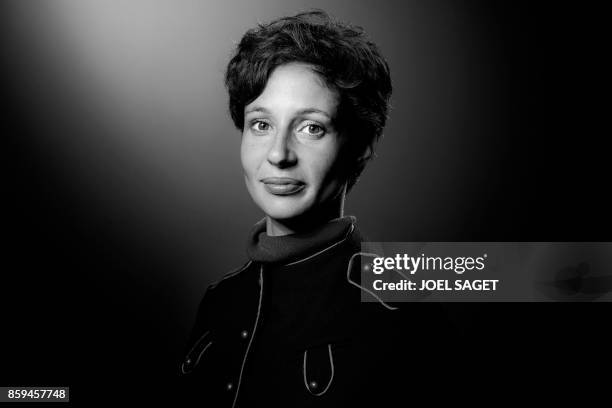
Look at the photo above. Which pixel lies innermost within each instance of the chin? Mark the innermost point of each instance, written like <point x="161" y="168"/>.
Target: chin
<point x="282" y="208"/>
<point x="281" y="212"/>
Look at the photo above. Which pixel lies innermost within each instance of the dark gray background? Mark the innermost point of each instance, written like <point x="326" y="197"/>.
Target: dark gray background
<point x="123" y="188"/>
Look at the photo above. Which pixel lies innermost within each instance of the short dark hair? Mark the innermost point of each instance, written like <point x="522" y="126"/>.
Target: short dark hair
<point x="341" y="53"/>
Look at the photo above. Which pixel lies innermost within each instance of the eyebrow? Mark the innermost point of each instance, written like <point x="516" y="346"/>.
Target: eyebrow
<point x="257" y="109"/>
<point x="300" y="112"/>
<point x="313" y="110"/>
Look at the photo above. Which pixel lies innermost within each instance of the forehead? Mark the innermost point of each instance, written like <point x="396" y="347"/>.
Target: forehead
<point x="296" y="87"/>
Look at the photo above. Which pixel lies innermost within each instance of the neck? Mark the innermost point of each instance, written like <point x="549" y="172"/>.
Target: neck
<point x="334" y="209"/>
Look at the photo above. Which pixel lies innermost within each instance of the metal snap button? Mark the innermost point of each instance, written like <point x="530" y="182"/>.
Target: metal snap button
<point x="229" y="386"/>
<point x="244" y="334"/>
<point x="313" y="385"/>
<point x="188" y="361"/>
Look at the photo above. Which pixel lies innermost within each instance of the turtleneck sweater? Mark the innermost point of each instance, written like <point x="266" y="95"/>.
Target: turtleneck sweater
<point x="290" y="248"/>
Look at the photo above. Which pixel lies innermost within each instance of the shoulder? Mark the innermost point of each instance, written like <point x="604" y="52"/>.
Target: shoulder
<point x="220" y="297"/>
<point x="233" y="277"/>
<point x="229" y="282"/>
<point x="229" y="285"/>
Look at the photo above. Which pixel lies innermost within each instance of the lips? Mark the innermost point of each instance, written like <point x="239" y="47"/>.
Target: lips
<point x="283" y="185"/>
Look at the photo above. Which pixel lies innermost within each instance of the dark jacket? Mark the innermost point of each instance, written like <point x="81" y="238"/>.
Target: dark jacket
<point x="295" y="333"/>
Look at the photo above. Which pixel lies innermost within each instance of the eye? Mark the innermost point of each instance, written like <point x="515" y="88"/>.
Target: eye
<point x="312" y="129"/>
<point x="260" y="126"/>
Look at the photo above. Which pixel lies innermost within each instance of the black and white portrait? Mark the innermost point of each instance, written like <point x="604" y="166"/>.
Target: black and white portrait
<point x="191" y="189"/>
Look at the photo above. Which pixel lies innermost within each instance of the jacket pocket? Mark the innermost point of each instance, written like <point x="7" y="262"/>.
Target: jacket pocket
<point x="194" y="356"/>
<point x="318" y="369"/>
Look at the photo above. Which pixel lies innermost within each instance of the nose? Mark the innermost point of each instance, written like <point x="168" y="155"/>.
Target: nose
<point x="281" y="153"/>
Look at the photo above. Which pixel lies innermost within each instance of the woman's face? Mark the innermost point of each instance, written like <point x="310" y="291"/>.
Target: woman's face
<point x="290" y="149"/>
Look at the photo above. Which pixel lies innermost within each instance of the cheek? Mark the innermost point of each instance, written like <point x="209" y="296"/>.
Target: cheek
<point x="248" y="158"/>
<point x="325" y="168"/>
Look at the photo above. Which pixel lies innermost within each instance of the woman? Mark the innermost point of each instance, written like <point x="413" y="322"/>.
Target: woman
<point x="310" y="96"/>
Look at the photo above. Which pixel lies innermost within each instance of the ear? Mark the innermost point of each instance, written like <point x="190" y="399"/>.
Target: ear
<point x="367" y="154"/>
